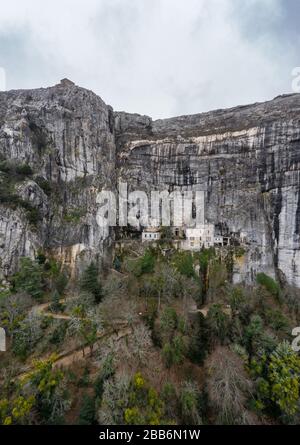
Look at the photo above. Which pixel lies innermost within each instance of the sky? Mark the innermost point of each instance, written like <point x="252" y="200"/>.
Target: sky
<point x="161" y="58"/>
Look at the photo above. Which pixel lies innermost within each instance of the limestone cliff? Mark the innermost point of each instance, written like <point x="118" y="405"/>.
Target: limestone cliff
<point x="248" y="161"/>
<point x="60" y="145"/>
<point x="65" y="135"/>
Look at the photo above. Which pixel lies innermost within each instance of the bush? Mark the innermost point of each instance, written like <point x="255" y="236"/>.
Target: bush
<point x="276" y="320"/>
<point x="59" y="333"/>
<point x="24" y="170"/>
<point x="145" y="264"/>
<point x="269" y="284"/>
<point x="11" y="168"/>
<point x="183" y="262"/>
<point x="87" y="411"/>
<point x="44" y="184"/>
<point x="205" y="256"/>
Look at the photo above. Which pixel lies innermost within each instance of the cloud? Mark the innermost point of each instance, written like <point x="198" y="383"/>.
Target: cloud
<point x="158" y="57"/>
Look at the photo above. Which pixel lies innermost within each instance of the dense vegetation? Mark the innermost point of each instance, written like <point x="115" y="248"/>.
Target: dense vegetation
<point x="163" y="338"/>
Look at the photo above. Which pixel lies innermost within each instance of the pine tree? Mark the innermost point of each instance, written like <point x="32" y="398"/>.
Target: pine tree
<point x="89" y="282"/>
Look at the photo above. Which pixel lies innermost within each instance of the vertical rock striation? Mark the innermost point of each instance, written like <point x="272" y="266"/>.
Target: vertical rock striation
<point x="59" y="146"/>
<point x="65" y="134"/>
<point x="247" y="159"/>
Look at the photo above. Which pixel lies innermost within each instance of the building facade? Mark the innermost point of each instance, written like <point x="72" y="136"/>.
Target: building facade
<point x="202" y="236"/>
<point x="151" y="234"/>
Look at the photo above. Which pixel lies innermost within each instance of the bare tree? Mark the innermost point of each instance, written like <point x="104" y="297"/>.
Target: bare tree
<point x="228" y="385"/>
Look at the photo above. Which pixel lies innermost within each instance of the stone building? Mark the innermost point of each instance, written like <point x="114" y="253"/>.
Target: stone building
<point x="151" y="234"/>
<point x="202" y="236"/>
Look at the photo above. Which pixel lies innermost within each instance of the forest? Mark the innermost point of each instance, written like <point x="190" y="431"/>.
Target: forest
<point x="162" y="337"/>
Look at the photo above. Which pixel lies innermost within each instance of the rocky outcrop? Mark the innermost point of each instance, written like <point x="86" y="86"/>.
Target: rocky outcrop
<point x="65" y="134"/>
<point x="247" y="159"/>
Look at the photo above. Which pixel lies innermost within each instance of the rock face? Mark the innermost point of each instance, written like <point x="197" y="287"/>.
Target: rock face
<point x="65" y="135"/>
<point x="247" y="159"/>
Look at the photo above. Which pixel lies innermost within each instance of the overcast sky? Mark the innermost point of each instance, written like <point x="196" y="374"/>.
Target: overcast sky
<point x="155" y="57"/>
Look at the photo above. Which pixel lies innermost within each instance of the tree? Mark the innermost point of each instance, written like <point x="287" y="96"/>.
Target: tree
<point x="183" y="262"/>
<point x="114" y="400"/>
<point x="140" y="344"/>
<point x="88" y="333"/>
<point x="236" y="299"/>
<point x="29" y="278"/>
<point x="60" y="282"/>
<point x="198" y="339"/>
<point x="49" y="389"/>
<point x="130" y="401"/>
<point x="228" y="385"/>
<point x="12" y="310"/>
<point x="89" y="282"/>
<point x="26" y="335"/>
<point x="284" y="376"/>
<point x="279" y="380"/>
<point x="144" y="405"/>
<point x="168" y="323"/>
<point x="218" y="323"/>
<point x="170" y="399"/>
<point x="107" y="372"/>
<point x="173" y="351"/>
<point x="253" y="335"/>
<point x="55" y="305"/>
<point x="189" y="404"/>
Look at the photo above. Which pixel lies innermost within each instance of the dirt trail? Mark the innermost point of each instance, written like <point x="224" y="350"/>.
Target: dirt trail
<point x="68" y="358"/>
<point x="82" y="354"/>
<point x="42" y="310"/>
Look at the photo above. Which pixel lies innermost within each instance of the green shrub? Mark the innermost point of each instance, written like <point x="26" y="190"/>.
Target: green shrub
<point x="44" y="184"/>
<point x="205" y="256"/>
<point x="276" y="320"/>
<point x="74" y="216"/>
<point x="13" y="201"/>
<point x="12" y="168"/>
<point x="59" y="333"/>
<point x="268" y="283"/>
<point x="87" y="411"/>
<point x="24" y="170"/>
<point x="183" y="262"/>
<point x="145" y="264"/>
